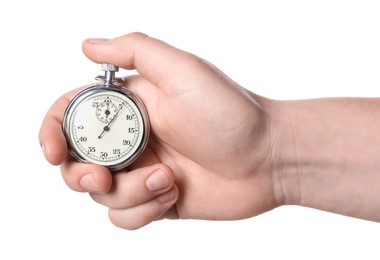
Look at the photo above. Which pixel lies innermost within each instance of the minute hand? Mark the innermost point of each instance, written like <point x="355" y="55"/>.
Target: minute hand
<point x="107" y="127"/>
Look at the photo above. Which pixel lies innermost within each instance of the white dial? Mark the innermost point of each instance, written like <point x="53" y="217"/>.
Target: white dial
<point x="105" y="109"/>
<point x="106" y="126"/>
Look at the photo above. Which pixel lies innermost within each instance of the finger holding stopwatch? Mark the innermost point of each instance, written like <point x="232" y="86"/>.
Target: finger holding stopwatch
<point x="50" y="134"/>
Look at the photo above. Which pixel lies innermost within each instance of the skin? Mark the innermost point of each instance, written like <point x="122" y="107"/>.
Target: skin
<point x="220" y="152"/>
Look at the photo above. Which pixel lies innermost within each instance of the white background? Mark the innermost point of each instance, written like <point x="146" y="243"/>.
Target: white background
<point x="278" y="49"/>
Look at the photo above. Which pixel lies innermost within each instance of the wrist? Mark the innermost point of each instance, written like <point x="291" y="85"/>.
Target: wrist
<point x="303" y="152"/>
<point x="325" y="155"/>
<point x="284" y="156"/>
<point x="281" y="161"/>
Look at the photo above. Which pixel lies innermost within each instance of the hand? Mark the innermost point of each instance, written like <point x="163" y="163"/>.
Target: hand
<point x="207" y="157"/>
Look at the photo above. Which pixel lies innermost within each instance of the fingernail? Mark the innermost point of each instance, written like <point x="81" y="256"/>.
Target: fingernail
<point x="157" y="181"/>
<point x="88" y="183"/>
<point x="96" y="40"/>
<point x="166" y="197"/>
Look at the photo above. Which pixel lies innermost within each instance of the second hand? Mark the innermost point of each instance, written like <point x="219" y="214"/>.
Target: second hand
<point x="107" y="127"/>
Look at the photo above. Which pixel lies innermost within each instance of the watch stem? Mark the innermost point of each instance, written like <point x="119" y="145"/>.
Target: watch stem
<point x="109" y="75"/>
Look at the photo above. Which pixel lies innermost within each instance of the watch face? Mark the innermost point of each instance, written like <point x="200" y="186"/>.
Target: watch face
<point x="106" y="126"/>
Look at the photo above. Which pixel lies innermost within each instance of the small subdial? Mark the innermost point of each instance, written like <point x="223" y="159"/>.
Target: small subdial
<point x="105" y="111"/>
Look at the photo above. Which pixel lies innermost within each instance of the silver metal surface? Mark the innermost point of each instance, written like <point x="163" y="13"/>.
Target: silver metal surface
<point x="109" y="78"/>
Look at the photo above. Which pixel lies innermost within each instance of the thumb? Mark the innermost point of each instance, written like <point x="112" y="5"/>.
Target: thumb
<point x="153" y="59"/>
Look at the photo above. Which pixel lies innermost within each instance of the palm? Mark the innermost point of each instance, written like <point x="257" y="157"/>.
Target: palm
<point x="207" y="135"/>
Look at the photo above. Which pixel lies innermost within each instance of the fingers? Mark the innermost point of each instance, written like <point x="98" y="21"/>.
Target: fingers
<point x="135" y="198"/>
<point x="137" y="186"/>
<point x="86" y="177"/>
<point x="51" y="137"/>
<point x="141" y="215"/>
<point x="140" y="196"/>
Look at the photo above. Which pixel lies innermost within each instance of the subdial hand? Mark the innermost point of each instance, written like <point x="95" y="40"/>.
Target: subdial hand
<point x="107" y="112"/>
<point x="107" y="127"/>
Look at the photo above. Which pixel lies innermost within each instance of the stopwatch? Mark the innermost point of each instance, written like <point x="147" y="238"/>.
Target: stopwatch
<point x="106" y="124"/>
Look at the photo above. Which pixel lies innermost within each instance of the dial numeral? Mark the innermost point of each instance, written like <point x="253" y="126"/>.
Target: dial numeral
<point x="132" y="130"/>
<point x="126" y="142"/>
<point x="129" y="117"/>
<point x="82" y="139"/>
